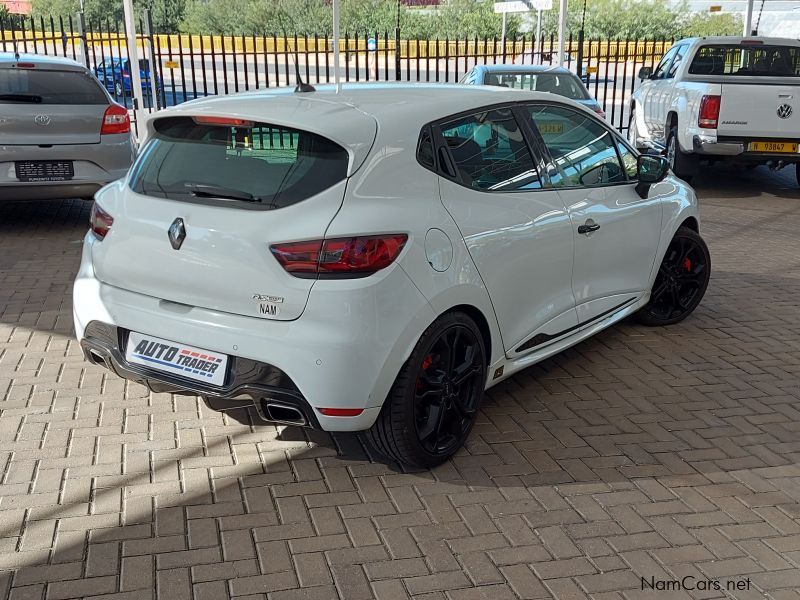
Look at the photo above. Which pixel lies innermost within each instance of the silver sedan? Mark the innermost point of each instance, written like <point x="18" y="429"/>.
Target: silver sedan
<point x="61" y="134"/>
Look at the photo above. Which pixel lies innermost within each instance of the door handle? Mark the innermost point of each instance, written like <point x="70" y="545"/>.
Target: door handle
<point x="588" y="227"/>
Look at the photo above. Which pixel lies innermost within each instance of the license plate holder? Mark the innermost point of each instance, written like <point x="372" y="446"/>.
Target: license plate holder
<point x="177" y="359"/>
<point x="774" y="147"/>
<point x="44" y="170"/>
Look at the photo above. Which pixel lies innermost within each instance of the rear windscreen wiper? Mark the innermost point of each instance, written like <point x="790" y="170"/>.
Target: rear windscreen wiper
<point x="33" y="98"/>
<point x="203" y="190"/>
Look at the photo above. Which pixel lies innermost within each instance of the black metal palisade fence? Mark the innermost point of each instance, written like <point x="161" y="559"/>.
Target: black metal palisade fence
<point x="191" y="66"/>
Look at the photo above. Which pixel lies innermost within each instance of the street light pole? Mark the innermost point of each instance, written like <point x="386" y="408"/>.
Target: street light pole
<point x="562" y="26"/>
<point x="397" y="68"/>
<point x="336" y="46"/>
<point x="748" y="18"/>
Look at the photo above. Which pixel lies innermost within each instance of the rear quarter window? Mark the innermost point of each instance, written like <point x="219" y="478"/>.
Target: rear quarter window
<point x="757" y="60"/>
<point x="249" y="165"/>
<point x="49" y="87"/>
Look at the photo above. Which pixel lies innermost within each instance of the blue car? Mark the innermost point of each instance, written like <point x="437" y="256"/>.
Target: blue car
<point x="115" y="74"/>
<point x="537" y="78"/>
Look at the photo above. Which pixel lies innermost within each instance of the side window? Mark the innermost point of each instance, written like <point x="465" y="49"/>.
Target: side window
<point x="425" y="149"/>
<point x="584" y="151"/>
<point x="677" y="62"/>
<point x="628" y="158"/>
<point x="490" y="152"/>
<point x="661" y="69"/>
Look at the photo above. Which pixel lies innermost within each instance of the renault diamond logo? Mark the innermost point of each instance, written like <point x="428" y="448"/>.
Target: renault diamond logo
<point x="42" y="119"/>
<point x="784" y="111"/>
<point x="177" y="233"/>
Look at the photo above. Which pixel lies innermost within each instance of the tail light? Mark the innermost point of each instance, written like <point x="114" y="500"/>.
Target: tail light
<point x="126" y="75"/>
<point x="116" y="120"/>
<point x="340" y="257"/>
<point x="100" y="221"/>
<point x="709" y="112"/>
<point x="601" y="113"/>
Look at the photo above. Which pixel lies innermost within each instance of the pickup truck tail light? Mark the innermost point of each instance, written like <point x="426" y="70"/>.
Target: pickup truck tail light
<point x="341" y="257"/>
<point x="709" y="112"/>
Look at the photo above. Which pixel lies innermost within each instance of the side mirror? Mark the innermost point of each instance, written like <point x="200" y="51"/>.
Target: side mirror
<point x="650" y="170"/>
<point x="645" y="73"/>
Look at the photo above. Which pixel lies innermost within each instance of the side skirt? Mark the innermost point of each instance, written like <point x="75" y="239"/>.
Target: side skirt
<point x="506" y="367"/>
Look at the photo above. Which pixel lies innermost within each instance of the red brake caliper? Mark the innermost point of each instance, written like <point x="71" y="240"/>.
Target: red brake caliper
<point x="687" y="265"/>
<point x="426" y="363"/>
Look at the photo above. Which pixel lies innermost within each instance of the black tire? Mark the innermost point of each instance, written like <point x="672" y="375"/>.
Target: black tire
<point x="404" y="429"/>
<point x="681" y="282"/>
<point x="797" y="172"/>
<point x="682" y="164"/>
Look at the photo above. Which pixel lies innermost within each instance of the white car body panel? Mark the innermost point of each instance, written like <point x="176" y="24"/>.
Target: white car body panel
<point x="501" y="232"/>
<point x="346" y="345"/>
<point x="748" y="107"/>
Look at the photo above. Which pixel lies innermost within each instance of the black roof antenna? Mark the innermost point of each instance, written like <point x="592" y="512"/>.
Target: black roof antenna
<point x="302" y="87"/>
<point x="16" y="52"/>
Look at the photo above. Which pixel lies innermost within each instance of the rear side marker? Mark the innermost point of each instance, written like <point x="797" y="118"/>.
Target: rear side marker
<point x="341" y="412"/>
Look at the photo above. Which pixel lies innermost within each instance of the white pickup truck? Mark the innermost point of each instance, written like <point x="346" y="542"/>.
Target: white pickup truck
<point x="721" y="98"/>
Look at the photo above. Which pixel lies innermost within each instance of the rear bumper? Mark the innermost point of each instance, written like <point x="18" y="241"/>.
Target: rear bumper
<point x="94" y="166"/>
<point x="249" y="382"/>
<point x="709" y="145"/>
<point x="51" y="191"/>
<point x="737" y="150"/>
<point x="344" y="352"/>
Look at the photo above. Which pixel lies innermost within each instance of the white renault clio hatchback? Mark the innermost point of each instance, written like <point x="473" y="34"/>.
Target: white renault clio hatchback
<point x="375" y="258"/>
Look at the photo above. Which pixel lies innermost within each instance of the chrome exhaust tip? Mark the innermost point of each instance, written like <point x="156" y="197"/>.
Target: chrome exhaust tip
<point x="282" y="413"/>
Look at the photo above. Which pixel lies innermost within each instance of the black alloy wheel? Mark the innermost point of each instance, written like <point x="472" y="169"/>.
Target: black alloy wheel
<point x="434" y="401"/>
<point x="681" y="281"/>
<point x="447" y="390"/>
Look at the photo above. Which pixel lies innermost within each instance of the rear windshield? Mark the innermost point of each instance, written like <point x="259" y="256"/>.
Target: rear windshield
<point x="563" y="84"/>
<point x="247" y="165"/>
<point x="38" y="86"/>
<point x="747" y="60"/>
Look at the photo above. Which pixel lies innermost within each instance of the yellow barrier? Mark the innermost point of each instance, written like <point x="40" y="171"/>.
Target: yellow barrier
<point x="184" y="43"/>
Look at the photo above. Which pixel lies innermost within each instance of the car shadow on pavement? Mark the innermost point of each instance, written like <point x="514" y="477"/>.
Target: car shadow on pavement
<point x="741" y="183"/>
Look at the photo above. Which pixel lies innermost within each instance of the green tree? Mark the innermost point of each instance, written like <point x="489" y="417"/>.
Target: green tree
<point x="216" y="16"/>
<point x="95" y="11"/>
<point x="619" y="19"/>
<point x="470" y="18"/>
<point x="456" y="18"/>
<point x="166" y="14"/>
<point x="701" y="24"/>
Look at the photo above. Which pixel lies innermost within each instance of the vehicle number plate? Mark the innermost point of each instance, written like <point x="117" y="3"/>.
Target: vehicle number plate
<point x="778" y="147"/>
<point x="44" y="170"/>
<point x="176" y="359"/>
<point x="550" y="127"/>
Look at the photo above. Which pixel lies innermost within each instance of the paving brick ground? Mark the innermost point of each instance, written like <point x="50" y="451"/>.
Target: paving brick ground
<point x="641" y="453"/>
